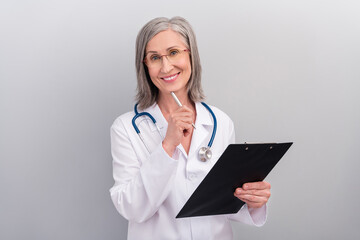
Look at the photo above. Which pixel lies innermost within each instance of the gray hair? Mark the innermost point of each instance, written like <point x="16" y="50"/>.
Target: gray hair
<point x="147" y="92"/>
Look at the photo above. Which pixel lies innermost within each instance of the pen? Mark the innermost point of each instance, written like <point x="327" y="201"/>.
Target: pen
<point x="180" y="105"/>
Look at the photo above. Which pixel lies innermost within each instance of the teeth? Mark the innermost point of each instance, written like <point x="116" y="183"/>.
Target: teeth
<point x="170" y="78"/>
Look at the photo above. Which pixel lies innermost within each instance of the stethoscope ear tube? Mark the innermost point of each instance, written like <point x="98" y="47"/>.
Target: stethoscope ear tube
<point x="215" y="124"/>
<point x="139" y="115"/>
<point x="133" y="121"/>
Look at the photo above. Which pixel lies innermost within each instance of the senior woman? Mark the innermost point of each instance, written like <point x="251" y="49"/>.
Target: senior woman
<point x="157" y="173"/>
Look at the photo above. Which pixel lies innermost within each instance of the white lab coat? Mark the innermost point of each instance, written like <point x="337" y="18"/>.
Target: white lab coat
<point x="150" y="189"/>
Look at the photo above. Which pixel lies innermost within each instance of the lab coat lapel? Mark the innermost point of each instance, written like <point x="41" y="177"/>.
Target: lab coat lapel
<point x="148" y="130"/>
<point x="202" y="133"/>
<point x="155" y="111"/>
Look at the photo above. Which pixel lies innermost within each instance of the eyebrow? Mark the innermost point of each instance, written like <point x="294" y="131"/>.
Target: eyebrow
<point x="166" y="50"/>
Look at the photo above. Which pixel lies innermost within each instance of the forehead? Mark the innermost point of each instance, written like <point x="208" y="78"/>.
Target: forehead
<point x="164" y="40"/>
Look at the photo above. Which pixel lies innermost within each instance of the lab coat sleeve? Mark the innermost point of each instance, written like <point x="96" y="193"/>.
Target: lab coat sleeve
<point x="140" y="186"/>
<point x="256" y="217"/>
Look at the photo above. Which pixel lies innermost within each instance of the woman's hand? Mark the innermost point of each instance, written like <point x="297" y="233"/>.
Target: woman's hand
<point x="179" y="126"/>
<point x="254" y="194"/>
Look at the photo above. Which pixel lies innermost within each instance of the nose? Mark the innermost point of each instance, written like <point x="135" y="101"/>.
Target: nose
<point x="166" y="65"/>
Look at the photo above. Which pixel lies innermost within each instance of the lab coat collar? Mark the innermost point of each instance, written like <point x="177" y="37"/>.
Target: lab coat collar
<point x="203" y="116"/>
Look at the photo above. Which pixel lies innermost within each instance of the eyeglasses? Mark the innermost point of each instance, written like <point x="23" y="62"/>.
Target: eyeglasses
<point x="154" y="60"/>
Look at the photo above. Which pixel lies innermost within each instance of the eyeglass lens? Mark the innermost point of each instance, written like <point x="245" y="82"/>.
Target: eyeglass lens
<point x="173" y="55"/>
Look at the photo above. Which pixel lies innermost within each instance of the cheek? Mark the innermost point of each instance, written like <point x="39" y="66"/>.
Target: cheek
<point x="153" y="77"/>
<point x="153" y="74"/>
<point x="186" y="65"/>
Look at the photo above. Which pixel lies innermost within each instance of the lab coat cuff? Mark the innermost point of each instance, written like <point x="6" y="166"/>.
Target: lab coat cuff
<point x="255" y="216"/>
<point x="175" y="155"/>
<point x="258" y="215"/>
<point x="160" y="156"/>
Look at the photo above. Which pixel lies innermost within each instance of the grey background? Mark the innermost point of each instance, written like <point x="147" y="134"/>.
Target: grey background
<point x="283" y="71"/>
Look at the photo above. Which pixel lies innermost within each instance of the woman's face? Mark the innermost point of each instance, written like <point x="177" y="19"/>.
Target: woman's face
<point x="168" y="76"/>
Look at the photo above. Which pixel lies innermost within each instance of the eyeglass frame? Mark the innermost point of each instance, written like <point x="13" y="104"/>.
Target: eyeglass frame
<point x="144" y="61"/>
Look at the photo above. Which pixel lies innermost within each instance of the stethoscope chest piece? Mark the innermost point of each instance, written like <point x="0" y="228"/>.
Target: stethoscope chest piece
<point x="205" y="154"/>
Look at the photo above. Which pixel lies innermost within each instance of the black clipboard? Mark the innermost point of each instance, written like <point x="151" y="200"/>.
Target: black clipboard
<point x="239" y="164"/>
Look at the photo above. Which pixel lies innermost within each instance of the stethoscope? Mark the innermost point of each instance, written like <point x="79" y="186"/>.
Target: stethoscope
<point x="204" y="152"/>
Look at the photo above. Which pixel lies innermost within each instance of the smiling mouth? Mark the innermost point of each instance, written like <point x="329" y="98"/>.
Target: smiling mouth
<point x="171" y="78"/>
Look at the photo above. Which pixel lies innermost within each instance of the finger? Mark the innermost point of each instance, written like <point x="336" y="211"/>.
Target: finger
<point x="253" y="199"/>
<point x="186" y="108"/>
<point x="184" y="127"/>
<point x="253" y="204"/>
<point x="176" y="120"/>
<point x="180" y="116"/>
<point x="179" y="122"/>
<point x="256" y="185"/>
<point x="177" y="115"/>
<point x="238" y="190"/>
<point x="262" y="192"/>
<point x="182" y="112"/>
<point x="185" y="119"/>
<point x="183" y="123"/>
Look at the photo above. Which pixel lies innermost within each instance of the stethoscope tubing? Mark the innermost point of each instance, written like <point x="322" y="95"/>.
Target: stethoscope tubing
<point x="215" y="124"/>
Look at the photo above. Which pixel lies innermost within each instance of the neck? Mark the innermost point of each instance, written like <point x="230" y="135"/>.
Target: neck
<point x="167" y="103"/>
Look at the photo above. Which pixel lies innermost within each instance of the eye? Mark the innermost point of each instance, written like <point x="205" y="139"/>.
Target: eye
<point x="174" y="52"/>
<point x="154" y="58"/>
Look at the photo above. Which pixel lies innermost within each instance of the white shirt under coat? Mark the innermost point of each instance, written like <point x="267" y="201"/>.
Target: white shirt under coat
<point x="150" y="189"/>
